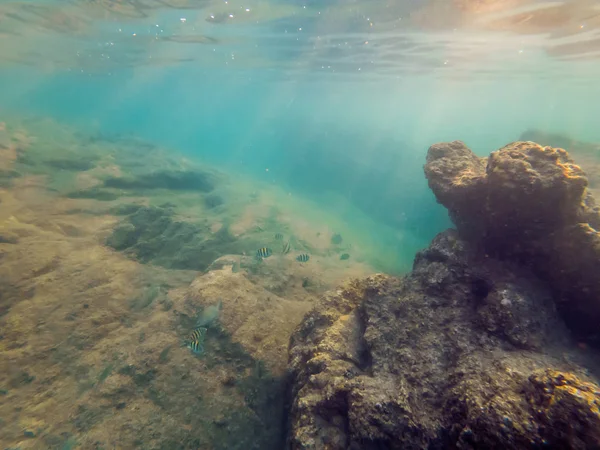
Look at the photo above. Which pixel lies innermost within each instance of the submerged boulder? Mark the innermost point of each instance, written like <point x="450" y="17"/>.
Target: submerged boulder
<point x="462" y="353"/>
<point x="528" y="204"/>
<point x="475" y="348"/>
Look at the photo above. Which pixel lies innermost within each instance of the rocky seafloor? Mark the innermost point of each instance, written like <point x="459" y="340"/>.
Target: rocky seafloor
<point x="490" y="343"/>
<point x="111" y="248"/>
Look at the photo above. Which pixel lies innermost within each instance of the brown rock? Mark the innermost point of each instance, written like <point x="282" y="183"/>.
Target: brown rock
<point x="465" y="352"/>
<point x="456" y="176"/>
<point x="585" y="153"/>
<point x="530" y="204"/>
<point x="560" y="397"/>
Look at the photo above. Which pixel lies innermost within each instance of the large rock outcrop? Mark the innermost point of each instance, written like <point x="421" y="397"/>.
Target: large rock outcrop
<point x="462" y="353"/>
<point x="529" y="204"/>
<point x="470" y="350"/>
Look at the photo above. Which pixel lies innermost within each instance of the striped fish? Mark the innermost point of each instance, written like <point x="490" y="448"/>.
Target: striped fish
<point x="303" y="257"/>
<point x="196" y="347"/>
<point x="264" y="252"/>
<point x="286" y="248"/>
<point x="278" y="236"/>
<point x="198" y="334"/>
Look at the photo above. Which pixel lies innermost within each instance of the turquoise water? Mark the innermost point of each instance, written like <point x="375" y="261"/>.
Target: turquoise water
<point x="330" y="103"/>
<point x="330" y="96"/>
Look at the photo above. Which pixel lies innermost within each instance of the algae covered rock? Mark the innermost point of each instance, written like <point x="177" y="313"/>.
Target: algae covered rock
<point x="95" y="193"/>
<point x="213" y="201"/>
<point x="455" y="355"/>
<point x="7" y="176"/>
<point x="528" y="204"/>
<point x="456" y="176"/>
<point x="585" y="153"/>
<point x="76" y="163"/>
<point x="518" y="312"/>
<point x="521" y="191"/>
<point x="567" y="408"/>
<point x="8" y="237"/>
<point x="124" y="235"/>
<point x="152" y="235"/>
<point x="470" y="350"/>
<point x="174" y="180"/>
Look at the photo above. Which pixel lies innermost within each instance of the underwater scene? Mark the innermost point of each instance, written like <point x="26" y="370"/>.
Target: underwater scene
<point x="299" y="224"/>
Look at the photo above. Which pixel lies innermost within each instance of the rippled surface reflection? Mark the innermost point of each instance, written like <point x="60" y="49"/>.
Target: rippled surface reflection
<point x="509" y="38"/>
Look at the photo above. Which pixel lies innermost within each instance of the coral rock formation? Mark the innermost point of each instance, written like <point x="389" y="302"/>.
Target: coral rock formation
<point x="470" y="350"/>
<point x="585" y="153"/>
<point x="448" y="357"/>
<point x="528" y="203"/>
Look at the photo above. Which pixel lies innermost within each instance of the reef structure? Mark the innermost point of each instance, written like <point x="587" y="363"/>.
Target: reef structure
<point x="474" y="349"/>
<point x="528" y="204"/>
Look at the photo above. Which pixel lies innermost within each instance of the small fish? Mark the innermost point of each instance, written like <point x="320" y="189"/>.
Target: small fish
<point x="209" y="315"/>
<point x="264" y="252"/>
<point x="278" y="236"/>
<point x="303" y="257"/>
<point x="196" y="347"/>
<point x="344" y="256"/>
<point x="198" y="334"/>
<point x="286" y="248"/>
